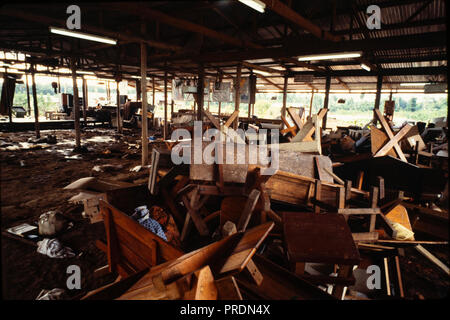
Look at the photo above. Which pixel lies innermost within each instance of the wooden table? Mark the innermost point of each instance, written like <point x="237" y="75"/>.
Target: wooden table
<point x="321" y="238"/>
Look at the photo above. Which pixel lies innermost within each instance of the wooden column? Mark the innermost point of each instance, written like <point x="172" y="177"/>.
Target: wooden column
<point x="144" y="138"/>
<point x="249" y="97"/>
<point x="311" y="103"/>
<point x="237" y="98"/>
<point x="378" y="96"/>
<point x="28" y="94"/>
<point x="153" y="90"/>
<point x="76" y="105"/>
<point x="220" y="105"/>
<point x="172" y="103"/>
<point x="35" y="103"/>
<point x="138" y="89"/>
<point x="325" y="102"/>
<point x="285" y="86"/>
<point x="119" y="118"/>
<point x="85" y="100"/>
<point x="200" y="89"/>
<point x="166" y="127"/>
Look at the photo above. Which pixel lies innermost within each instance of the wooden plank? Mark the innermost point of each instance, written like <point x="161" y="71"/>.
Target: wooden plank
<point x="296" y="116"/>
<point x="204" y="286"/>
<point x="319" y="169"/>
<point x="211" y="118"/>
<point x="399" y="277"/>
<point x="317" y="195"/>
<point x="433" y="259"/>
<point x="246" y="248"/>
<point x="230" y="120"/>
<point x="227" y="289"/>
<point x="349" y="211"/>
<point x="253" y="271"/>
<point x="248" y="210"/>
<point x="386" y="275"/>
<point x="365" y="236"/>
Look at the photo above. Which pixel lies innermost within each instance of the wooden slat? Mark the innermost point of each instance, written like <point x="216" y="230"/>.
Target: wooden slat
<point x="248" y="209"/>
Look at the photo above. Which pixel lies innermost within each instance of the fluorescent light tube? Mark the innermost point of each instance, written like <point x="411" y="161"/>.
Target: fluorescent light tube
<point x="365" y="67"/>
<point x="262" y="72"/>
<point x="255" y="4"/>
<point x="342" y="55"/>
<point x="412" y="84"/>
<point x="82" y="35"/>
<point x="85" y="72"/>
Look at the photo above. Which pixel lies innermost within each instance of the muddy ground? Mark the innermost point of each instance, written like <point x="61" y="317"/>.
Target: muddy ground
<point x="32" y="183"/>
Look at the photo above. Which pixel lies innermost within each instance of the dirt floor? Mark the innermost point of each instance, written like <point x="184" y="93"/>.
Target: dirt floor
<point x="32" y="182"/>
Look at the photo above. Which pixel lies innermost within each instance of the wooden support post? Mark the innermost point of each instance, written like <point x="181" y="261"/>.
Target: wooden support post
<point x="85" y="99"/>
<point x="119" y="118"/>
<point x="35" y="103"/>
<point x="166" y="125"/>
<point x="237" y="98"/>
<point x="285" y="87"/>
<point x="325" y="102"/>
<point x="144" y="137"/>
<point x="200" y="90"/>
<point x="311" y="103"/>
<point x="378" y="96"/>
<point x="153" y="90"/>
<point x="220" y="105"/>
<point x="172" y="103"/>
<point x="28" y="94"/>
<point x="76" y="105"/>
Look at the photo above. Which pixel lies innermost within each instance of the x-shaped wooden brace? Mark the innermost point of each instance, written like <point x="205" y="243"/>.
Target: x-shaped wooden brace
<point x="393" y="139"/>
<point x="296" y="116"/>
<point x="225" y="128"/>
<point x="309" y="127"/>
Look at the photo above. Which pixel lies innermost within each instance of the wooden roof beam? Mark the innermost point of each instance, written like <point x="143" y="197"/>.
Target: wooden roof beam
<point x="292" y="16"/>
<point x="146" y="12"/>
<point x="261" y="68"/>
<point x="88" y="28"/>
